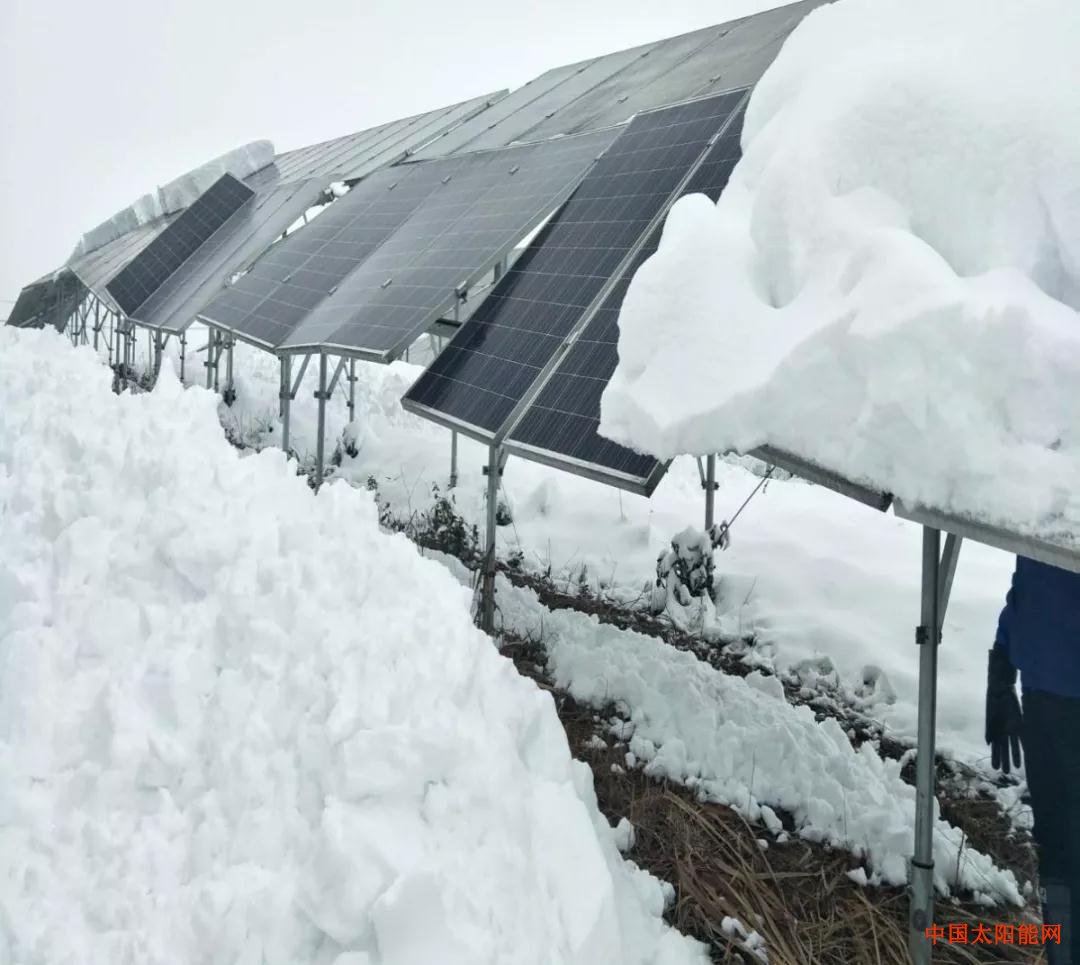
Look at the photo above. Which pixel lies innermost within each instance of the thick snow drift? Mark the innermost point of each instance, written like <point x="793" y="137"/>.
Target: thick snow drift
<point x="889" y="285"/>
<point x="239" y="723"/>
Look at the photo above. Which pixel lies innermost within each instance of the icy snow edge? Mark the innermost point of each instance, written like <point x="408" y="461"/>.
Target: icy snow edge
<point x="889" y="284"/>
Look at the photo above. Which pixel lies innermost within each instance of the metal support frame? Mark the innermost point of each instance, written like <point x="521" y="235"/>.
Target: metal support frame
<point x="453" y="459"/>
<point x="285" y="396"/>
<point x="938" y="570"/>
<point x="709" y="483"/>
<point x="183" y="354"/>
<point x="494" y="470"/>
<point x="321" y="394"/>
<point x="352" y="390"/>
<point x="229" y="395"/>
<point x="209" y="363"/>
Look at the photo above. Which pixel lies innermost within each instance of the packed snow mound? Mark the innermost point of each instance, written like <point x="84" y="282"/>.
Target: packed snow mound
<point x="889" y="284"/>
<point x="240" y="723"/>
<point x="241" y="162"/>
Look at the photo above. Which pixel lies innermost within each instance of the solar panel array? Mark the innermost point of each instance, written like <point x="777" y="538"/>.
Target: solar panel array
<point x="253" y="228"/>
<point x="265" y="304"/>
<point x="562" y="423"/>
<point x="608" y="90"/>
<point x="488" y="369"/>
<point x="354" y="155"/>
<point x="170" y="249"/>
<point x="471" y="220"/>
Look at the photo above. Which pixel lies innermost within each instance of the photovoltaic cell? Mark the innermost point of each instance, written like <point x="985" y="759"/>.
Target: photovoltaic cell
<point x="252" y="229"/>
<point x="562" y="422"/>
<point x="267" y="303"/>
<point x="170" y="249"/>
<point x="466" y="225"/>
<point x="496" y="357"/>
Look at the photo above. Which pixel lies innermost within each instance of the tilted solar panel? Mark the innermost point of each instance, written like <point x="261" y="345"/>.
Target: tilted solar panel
<point x="265" y="304"/>
<point x="252" y="229"/>
<point x="170" y="249"/>
<point x="698" y="64"/>
<point x="560" y="426"/>
<point x="489" y="367"/>
<point x="464" y="227"/>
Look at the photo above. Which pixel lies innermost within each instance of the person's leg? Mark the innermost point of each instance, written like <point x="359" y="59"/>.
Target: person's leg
<point x="1070" y="753"/>
<point x="1043" y="744"/>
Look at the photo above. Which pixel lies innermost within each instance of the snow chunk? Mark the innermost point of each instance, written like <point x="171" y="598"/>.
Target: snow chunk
<point x="889" y="284"/>
<point x="231" y="729"/>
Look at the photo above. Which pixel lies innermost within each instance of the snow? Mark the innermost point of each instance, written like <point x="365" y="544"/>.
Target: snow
<point x="828" y="589"/>
<point x="240" y="162"/>
<point x="238" y="722"/>
<point x="889" y="284"/>
<point x="738" y="744"/>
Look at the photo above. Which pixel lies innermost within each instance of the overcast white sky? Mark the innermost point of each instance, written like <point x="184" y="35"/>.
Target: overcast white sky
<point x="102" y="101"/>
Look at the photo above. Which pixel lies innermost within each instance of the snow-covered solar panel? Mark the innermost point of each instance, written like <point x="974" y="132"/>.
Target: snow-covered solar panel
<point x="491" y="365"/>
<point x="177" y="243"/>
<point x="468" y="223"/>
<point x="252" y="229"/>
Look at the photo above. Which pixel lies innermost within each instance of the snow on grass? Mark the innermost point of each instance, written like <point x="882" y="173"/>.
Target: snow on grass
<point x="240" y="723"/>
<point x="889" y="284"/>
<point x="828" y="588"/>
<point x="738" y="741"/>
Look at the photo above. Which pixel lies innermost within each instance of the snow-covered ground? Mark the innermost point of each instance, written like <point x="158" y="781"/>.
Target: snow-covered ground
<point x="890" y="283"/>
<point x="238" y="722"/>
<point x="829" y="588"/>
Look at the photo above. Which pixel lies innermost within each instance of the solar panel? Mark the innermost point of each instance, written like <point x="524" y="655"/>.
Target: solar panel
<point x="510" y="116"/>
<point x="561" y="425"/>
<point x="491" y="364"/>
<point x="265" y="304"/>
<point x="169" y="250"/>
<point x="464" y="227"/>
<point x="355" y="155"/>
<point x="252" y="229"/>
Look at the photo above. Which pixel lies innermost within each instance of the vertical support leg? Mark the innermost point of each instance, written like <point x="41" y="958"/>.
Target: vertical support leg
<point x="159" y="353"/>
<point x="320" y="439"/>
<point x="710" y="491"/>
<point x="453" y="459"/>
<point x="218" y="343"/>
<point x="286" y="399"/>
<point x="183" y="354"/>
<point x="352" y="390"/>
<point x="209" y="358"/>
<point x="230" y="390"/>
<point x="97" y="322"/>
<point x="487" y="602"/>
<point x="928" y="637"/>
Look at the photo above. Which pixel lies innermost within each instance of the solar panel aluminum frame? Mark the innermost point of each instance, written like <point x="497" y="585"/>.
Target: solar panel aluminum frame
<point x="643" y="485"/>
<point x="436" y="314"/>
<point x="805" y="469"/>
<point x="1033" y="547"/>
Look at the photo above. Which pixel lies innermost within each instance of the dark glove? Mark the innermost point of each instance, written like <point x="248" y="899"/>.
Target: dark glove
<point x="1003" y="718"/>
